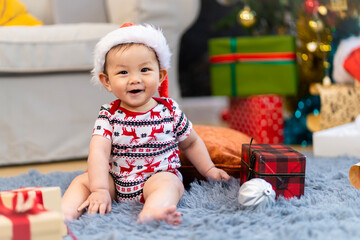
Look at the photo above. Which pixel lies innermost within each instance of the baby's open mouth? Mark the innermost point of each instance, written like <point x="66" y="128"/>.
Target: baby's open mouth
<point x="135" y="91"/>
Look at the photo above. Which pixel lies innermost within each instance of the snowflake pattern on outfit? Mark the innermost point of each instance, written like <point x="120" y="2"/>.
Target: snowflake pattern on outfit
<point x="142" y="143"/>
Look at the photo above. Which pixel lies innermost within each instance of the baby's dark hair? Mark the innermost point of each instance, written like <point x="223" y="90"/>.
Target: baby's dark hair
<point x="123" y="47"/>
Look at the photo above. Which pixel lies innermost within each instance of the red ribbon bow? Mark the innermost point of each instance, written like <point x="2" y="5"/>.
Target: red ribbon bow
<point x="24" y="202"/>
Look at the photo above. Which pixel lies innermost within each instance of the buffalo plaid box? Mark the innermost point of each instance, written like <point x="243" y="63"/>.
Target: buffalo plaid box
<point x="278" y="164"/>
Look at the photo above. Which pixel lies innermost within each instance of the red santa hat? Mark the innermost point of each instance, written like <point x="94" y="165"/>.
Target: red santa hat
<point x="352" y="64"/>
<point x="346" y="55"/>
<point x="130" y="33"/>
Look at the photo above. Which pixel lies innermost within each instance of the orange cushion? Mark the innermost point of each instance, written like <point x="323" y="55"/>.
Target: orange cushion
<point x="224" y="146"/>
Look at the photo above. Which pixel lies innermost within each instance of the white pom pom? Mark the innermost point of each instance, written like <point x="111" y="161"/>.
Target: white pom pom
<point x="256" y="193"/>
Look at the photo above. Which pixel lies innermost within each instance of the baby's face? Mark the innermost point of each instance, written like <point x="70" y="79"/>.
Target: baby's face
<point x="134" y="76"/>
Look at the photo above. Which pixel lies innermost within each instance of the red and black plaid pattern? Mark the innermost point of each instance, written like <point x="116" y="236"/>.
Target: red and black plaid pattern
<point x="278" y="164"/>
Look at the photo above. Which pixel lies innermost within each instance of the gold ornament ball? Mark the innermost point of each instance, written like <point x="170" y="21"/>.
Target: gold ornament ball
<point x="326" y="64"/>
<point x="247" y="17"/>
<point x="316" y="25"/>
<point x="322" y="10"/>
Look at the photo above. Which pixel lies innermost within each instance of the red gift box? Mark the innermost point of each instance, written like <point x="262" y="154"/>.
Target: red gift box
<point x="278" y="164"/>
<point x="258" y="116"/>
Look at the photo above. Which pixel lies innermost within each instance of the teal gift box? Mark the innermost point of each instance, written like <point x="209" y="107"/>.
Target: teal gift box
<point x="245" y="66"/>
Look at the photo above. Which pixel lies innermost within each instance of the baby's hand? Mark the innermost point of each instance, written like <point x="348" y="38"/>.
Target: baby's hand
<point x="98" y="202"/>
<point x="217" y="174"/>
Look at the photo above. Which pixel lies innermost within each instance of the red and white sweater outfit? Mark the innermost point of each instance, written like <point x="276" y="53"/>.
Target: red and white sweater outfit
<point x="142" y="143"/>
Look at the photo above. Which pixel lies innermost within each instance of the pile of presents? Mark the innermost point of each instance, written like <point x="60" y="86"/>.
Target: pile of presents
<point x="256" y="72"/>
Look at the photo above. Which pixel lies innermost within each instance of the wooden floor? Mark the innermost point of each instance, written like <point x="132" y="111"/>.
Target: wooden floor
<point x="64" y="166"/>
<point x="69" y="166"/>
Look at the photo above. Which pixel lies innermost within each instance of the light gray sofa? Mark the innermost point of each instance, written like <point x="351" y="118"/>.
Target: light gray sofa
<point x="48" y="104"/>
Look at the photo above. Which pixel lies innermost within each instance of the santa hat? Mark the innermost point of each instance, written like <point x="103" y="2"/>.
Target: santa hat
<point x="341" y="73"/>
<point x="130" y="33"/>
<point x="352" y="64"/>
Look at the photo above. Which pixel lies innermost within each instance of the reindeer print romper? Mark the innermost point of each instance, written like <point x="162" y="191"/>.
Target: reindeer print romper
<point x="142" y="143"/>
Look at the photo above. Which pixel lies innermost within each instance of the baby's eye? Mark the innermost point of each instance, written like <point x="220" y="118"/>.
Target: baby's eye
<point x="145" y="69"/>
<point x="123" y="72"/>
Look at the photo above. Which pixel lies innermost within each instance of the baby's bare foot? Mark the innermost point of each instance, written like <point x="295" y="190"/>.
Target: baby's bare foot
<point x="169" y="214"/>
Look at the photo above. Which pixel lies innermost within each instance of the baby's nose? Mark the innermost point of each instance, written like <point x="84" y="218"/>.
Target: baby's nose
<point x="134" y="79"/>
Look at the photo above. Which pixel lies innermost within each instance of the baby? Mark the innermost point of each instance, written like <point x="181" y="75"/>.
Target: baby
<point x="133" y="153"/>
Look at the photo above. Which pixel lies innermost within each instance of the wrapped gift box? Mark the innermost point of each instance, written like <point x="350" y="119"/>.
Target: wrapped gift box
<point x="278" y="164"/>
<point x="41" y="226"/>
<point x="246" y="66"/>
<point x="50" y="197"/>
<point x="340" y="104"/>
<point x="259" y="116"/>
<point x="31" y="213"/>
<point x="337" y="141"/>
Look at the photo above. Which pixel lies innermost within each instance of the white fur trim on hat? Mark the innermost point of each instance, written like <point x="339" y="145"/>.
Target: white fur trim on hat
<point x="145" y="34"/>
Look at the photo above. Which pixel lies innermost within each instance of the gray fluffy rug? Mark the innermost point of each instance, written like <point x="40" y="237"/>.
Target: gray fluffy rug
<point x="330" y="209"/>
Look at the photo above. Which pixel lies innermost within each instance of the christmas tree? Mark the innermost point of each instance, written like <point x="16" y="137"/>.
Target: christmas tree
<point x="318" y="25"/>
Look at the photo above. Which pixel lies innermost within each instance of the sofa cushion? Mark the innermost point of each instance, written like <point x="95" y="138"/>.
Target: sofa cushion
<point x="41" y="9"/>
<point x="50" y="48"/>
<point x="13" y="13"/>
<point x="79" y="11"/>
<point x="120" y="11"/>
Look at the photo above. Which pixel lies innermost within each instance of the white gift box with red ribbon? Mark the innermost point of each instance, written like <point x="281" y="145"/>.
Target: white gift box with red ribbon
<point x="31" y="213"/>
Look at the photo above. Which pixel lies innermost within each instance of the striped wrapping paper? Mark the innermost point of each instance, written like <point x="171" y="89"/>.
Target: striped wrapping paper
<point x="246" y="66"/>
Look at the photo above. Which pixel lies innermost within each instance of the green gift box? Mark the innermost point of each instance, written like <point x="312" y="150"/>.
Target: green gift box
<point x="245" y="66"/>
